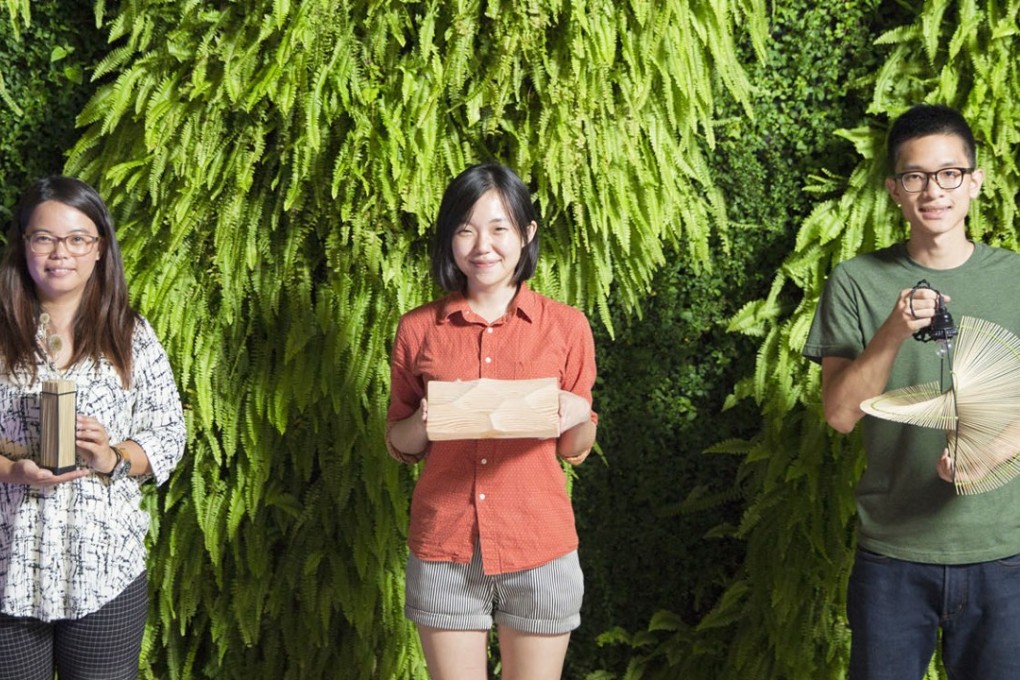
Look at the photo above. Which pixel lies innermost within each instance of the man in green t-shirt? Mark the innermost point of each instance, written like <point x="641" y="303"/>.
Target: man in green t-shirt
<point x="928" y="558"/>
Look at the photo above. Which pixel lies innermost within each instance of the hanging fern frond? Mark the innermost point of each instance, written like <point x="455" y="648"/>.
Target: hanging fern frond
<point x="20" y="13"/>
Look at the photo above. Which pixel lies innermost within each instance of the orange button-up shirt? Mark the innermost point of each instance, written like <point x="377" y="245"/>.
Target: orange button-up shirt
<point x="508" y="493"/>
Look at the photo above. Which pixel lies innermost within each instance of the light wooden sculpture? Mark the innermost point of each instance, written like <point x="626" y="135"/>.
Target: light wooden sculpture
<point x="980" y="412"/>
<point x="57" y="425"/>
<point x="493" y="409"/>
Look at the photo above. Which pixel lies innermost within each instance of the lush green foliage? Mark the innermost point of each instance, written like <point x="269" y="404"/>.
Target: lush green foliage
<point x="645" y="509"/>
<point x="273" y="167"/>
<point x="667" y="377"/>
<point x="20" y="13"/>
<point x="43" y="85"/>
<point x="782" y="616"/>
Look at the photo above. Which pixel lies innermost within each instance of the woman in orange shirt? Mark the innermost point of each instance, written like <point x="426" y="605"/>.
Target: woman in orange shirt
<point x="491" y="537"/>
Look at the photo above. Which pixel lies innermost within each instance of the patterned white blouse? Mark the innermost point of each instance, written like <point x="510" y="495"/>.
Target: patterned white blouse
<point x="67" y="550"/>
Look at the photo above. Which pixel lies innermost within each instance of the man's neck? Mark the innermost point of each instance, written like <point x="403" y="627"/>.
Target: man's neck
<point x="942" y="252"/>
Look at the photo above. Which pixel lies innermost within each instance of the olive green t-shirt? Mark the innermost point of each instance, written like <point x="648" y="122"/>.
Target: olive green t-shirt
<point x="904" y="509"/>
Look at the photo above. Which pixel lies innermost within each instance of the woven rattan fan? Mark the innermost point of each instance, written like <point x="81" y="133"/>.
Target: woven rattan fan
<point x="980" y="412"/>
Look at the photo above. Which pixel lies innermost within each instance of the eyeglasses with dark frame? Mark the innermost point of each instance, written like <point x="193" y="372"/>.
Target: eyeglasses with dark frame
<point x="44" y="243"/>
<point x="916" y="181"/>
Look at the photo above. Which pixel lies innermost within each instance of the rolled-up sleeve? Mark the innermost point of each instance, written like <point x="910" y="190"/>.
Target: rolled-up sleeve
<point x="157" y="420"/>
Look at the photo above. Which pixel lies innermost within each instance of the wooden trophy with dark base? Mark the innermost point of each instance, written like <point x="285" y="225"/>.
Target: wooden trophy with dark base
<point x="57" y="403"/>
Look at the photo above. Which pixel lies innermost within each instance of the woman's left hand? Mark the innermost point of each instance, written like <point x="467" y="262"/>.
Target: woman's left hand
<point x="92" y="443"/>
<point x="574" y="410"/>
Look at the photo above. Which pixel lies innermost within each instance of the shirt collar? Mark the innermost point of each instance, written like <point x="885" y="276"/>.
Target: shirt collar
<point x="524" y="305"/>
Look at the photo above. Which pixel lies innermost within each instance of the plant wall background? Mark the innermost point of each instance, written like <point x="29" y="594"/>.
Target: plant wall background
<point x="44" y="76"/>
<point x="667" y="375"/>
<point x="797" y="476"/>
<point x="274" y="167"/>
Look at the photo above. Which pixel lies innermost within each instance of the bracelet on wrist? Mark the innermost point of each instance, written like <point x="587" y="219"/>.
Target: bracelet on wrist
<point x="121" y="466"/>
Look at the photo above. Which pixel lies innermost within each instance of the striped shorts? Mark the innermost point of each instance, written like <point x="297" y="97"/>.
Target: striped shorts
<point x="545" y="600"/>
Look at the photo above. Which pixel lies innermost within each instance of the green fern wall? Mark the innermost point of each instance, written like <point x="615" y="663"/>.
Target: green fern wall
<point x="42" y="88"/>
<point x="668" y="374"/>
<point x="797" y="475"/>
<point x="273" y="167"/>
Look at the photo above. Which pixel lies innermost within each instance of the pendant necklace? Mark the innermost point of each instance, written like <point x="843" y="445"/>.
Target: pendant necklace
<point x="51" y="343"/>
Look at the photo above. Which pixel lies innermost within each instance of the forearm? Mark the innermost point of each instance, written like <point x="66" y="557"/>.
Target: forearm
<point x="140" y="464"/>
<point x="846" y="383"/>
<point x="105" y="461"/>
<point x="577" y="441"/>
<point x="409" y="436"/>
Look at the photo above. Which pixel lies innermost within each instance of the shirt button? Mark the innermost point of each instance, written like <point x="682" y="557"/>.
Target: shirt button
<point x="481" y="496"/>
<point x="485" y="461"/>
<point x="489" y="329"/>
<point x="488" y="360"/>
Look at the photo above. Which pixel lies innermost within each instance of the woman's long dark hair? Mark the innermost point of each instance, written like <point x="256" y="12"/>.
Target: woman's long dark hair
<point x="104" y="323"/>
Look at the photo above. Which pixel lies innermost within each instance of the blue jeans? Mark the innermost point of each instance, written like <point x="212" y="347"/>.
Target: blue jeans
<point x="895" y="609"/>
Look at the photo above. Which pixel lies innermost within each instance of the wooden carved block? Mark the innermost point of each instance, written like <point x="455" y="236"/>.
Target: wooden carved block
<point x="493" y="409"/>
<point x="57" y="425"/>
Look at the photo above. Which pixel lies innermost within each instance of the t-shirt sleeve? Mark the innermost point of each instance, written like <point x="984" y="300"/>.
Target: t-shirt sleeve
<point x="836" y="329"/>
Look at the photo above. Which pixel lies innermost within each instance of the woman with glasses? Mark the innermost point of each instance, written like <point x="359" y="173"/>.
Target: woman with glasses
<point x="73" y="592"/>
<point x="492" y="534"/>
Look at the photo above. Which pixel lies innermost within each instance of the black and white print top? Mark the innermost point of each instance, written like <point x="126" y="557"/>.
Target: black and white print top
<point x="67" y="550"/>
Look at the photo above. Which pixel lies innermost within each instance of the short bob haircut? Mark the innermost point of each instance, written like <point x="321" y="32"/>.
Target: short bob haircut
<point x="923" y="120"/>
<point x="459" y="199"/>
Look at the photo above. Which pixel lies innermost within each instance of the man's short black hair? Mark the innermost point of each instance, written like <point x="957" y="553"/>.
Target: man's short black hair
<point x="923" y="120"/>
<point x="455" y="209"/>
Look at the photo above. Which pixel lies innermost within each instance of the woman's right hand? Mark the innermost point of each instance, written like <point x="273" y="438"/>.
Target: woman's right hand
<point x="25" y="471"/>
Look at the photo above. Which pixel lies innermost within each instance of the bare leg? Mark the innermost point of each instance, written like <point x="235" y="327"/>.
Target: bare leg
<point x="527" y="656"/>
<point x="455" y="654"/>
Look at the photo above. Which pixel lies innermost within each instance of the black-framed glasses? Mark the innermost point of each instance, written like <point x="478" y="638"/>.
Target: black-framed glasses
<point x="43" y="243"/>
<point x="916" y="181"/>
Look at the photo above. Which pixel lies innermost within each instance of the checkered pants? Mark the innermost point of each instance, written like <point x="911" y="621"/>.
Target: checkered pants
<point x="103" y="645"/>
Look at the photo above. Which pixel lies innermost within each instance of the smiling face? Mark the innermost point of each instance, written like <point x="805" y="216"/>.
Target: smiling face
<point x="58" y="275"/>
<point x="488" y="245"/>
<point x="934" y="212"/>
